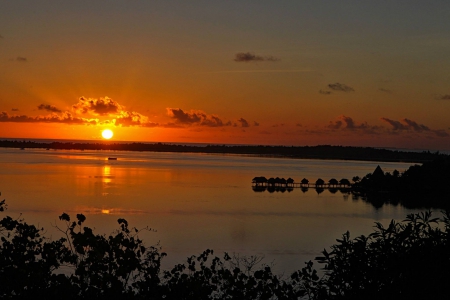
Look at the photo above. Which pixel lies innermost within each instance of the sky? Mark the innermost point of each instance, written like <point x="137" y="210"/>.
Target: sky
<point x="351" y="73"/>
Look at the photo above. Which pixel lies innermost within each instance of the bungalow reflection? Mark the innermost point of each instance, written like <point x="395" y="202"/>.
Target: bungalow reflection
<point x="262" y="184"/>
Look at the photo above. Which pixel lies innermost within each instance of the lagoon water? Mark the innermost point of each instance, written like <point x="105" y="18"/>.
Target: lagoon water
<point x="193" y="201"/>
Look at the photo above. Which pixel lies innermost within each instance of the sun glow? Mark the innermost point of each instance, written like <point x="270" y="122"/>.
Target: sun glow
<point x="107" y="134"/>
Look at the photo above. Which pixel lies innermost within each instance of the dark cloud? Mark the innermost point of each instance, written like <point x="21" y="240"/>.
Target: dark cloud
<point x="14" y="109"/>
<point x="442" y="97"/>
<point x="195" y="117"/>
<point x="255" y="123"/>
<point x="243" y="122"/>
<point x="323" y="92"/>
<point x="415" y="126"/>
<point x="347" y="123"/>
<point x="249" y="57"/>
<point x="21" y="59"/>
<point x="340" y="87"/>
<point x="66" y="117"/>
<point x="127" y="118"/>
<point x="385" y="90"/>
<point x="441" y="133"/>
<point x="101" y="107"/>
<point x="396" y="125"/>
<point x="342" y="122"/>
<point x="48" y="107"/>
<point x="410" y="125"/>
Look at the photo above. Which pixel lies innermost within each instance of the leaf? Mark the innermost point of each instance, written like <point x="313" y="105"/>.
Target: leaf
<point x="64" y="217"/>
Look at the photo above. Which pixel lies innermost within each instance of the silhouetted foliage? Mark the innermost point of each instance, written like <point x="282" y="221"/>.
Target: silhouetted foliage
<point x="406" y="260"/>
<point x="423" y="185"/>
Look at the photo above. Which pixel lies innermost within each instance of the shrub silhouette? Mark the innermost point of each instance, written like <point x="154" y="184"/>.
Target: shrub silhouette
<point x="406" y="260"/>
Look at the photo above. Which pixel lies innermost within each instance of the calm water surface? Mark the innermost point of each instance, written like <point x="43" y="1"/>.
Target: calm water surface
<point x="194" y="201"/>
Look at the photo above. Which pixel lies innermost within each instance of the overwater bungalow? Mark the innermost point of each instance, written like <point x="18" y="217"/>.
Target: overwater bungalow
<point x="333" y="182"/>
<point x="290" y="182"/>
<point x="304" y="182"/>
<point x="320" y="182"/>
<point x="259" y="181"/>
<point x="344" y="182"/>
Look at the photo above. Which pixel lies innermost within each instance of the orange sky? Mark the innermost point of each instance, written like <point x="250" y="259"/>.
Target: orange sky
<point x="252" y="72"/>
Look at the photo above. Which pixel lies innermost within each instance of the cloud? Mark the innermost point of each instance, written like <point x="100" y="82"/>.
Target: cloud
<point x="385" y="90"/>
<point x="396" y="125"/>
<point x="195" y="117"/>
<point x="14" y="109"/>
<point x="48" y="107"/>
<point x="415" y="126"/>
<point x="442" y="97"/>
<point x="340" y="87"/>
<point x="441" y="133"/>
<point x="410" y="125"/>
<point x="104" y="107"/>
<point x="347" y="123"/>
<point x="342" y="122"/>
<point x="99" y="107"/>
<point x="66" y="117"/>
<point x="249" y="57"/>
<point x="243" y="122"/>
<point x="255" y="123"/>
<point x="323" y="92"/>
<point x="21" y="59"/>
<point x="127" y="118"/>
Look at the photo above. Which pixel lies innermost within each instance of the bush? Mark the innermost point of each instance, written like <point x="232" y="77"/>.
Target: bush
<point x="406" y="260"/>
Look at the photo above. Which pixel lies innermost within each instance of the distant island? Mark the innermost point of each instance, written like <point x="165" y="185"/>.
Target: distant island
<point x="299" y="152"/>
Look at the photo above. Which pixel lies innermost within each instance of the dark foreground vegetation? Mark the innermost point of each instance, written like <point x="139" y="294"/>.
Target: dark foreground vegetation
<point x="420" y="186"/>
<point x="310" y="152"/>
<point x="406" y="260"/>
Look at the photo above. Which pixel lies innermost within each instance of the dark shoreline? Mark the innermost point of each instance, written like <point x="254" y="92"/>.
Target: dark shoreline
<point x="296" y="152"/>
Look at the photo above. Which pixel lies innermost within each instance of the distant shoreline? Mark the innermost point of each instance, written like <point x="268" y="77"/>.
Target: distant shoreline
<point x="295" y="152"/>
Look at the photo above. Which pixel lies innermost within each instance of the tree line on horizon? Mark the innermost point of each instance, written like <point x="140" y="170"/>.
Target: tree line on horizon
<point x="310" y="152"/>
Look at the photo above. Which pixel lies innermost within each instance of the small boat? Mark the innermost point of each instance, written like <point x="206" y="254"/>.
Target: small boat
<point x="112" y="158"/>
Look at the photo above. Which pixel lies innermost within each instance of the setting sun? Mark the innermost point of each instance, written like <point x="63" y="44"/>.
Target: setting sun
<point x="107" y="134"/>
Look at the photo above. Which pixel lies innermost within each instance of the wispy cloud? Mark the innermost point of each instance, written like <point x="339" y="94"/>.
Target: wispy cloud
<point x="66" y="117"/>
<point x="324" y="92"/>
<point x="243" y="122"/>
<point x="410" y="125"/>
<point x="251" y="57"/>
<point x="340" y="87"/>
<point x="442" y="97"/>
<point x="388" y="91"/>
<point x="21" y="59"/>
<point x="14" y="109"/>
<point x="48" y="107"/>
<point x="262" y="71"/>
